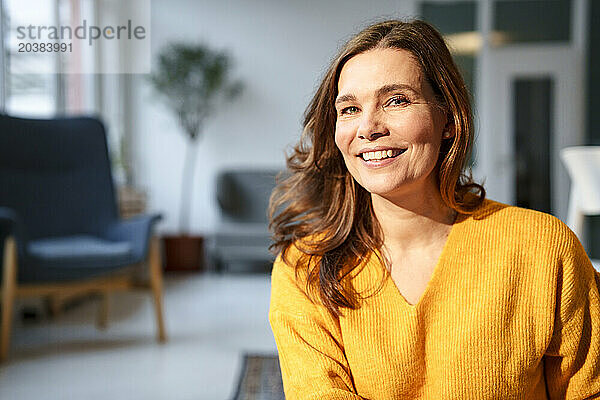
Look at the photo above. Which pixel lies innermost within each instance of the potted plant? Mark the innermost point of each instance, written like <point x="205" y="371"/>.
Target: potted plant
<point x="193" y="79"/>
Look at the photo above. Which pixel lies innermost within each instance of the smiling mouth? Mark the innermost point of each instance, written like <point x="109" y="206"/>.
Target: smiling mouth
<point x="381" y="154"/>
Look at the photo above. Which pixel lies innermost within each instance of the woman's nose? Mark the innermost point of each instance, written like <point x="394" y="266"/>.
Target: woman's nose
<point x="371" y="126"/>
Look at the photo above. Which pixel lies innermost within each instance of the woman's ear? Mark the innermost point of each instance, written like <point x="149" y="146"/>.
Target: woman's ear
<point x="449" y="131"/>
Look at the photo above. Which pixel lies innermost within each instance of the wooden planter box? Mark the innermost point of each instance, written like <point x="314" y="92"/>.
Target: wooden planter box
<point x="184" y="253"/>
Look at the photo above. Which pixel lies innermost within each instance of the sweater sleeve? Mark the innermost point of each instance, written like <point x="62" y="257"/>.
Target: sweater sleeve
<point x="309" y="341"/>
<point x="572" y="359"/>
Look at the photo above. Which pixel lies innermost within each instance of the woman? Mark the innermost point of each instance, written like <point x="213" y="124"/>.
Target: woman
<point x="397" y="279"/>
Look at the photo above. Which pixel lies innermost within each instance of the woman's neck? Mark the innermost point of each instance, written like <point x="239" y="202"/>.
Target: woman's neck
<point x="414" y="220"/>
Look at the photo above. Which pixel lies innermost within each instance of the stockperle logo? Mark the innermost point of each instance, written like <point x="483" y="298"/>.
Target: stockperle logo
<point x="113" y="37"/>
<point x="88" y="33"/>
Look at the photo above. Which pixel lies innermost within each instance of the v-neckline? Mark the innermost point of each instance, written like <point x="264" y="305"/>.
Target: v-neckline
<point x="435" y="275"/>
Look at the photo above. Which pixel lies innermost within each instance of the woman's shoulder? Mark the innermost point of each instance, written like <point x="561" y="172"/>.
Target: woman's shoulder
<point x="518" y="222"/>
<point x="299" y="253"/>
<point x="294" y="262"/>
<point x="496" y="212"/>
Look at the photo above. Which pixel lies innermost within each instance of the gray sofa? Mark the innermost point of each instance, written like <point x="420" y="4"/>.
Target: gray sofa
<point x="242" y="239"/>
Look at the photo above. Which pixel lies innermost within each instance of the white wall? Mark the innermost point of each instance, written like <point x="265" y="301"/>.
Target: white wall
<point x="281" y="49"/>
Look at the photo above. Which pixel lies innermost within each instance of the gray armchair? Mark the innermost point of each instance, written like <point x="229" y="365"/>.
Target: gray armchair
<point x="242" y="237"/>
<point x="59" y="226"/>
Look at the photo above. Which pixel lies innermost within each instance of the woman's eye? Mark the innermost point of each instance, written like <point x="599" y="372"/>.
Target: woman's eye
<point x="398" y="101"/>
<point x="349" y="110"/>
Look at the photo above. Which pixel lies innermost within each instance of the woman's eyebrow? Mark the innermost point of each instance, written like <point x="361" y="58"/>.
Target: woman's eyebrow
<point x="380" y="92"/>
<point x="344" y="98"/>
<point x="394" y="87"/>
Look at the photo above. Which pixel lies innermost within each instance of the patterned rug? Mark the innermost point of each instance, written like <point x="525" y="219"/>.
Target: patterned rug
<point x="260" y="379"/>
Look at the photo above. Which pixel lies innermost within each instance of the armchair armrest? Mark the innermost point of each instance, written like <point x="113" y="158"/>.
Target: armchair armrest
<point x="11" y="224"/>
<point x="8" y="220"/>
<point x="137" y="231"/>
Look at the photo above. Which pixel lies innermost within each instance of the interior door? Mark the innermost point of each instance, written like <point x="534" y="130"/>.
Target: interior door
<point x="517" y="84"/>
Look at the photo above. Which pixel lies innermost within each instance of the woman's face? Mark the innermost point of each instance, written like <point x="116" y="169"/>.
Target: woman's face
<point x="389" y="126"/>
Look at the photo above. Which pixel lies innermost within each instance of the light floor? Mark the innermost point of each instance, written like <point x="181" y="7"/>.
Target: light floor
<point x="211" y="321"/>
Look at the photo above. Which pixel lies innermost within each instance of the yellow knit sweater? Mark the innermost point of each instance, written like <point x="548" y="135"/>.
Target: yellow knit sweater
<point x="512" y="311"/>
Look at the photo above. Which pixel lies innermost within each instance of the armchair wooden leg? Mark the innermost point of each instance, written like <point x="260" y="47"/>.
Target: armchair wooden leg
<point x="9" y="286"/>
<point x="102" y="317"/>
<point x="54" y="305"/>
<point x="154" y="261"/>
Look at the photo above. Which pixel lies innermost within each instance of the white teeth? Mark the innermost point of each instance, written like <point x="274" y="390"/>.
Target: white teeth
<point x="380" y="155"/>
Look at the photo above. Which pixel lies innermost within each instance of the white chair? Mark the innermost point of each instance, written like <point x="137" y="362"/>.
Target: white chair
<point x="583" y="164"/>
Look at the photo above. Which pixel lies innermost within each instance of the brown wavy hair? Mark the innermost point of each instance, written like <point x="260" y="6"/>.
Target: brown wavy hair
<point x="320" y="208"/>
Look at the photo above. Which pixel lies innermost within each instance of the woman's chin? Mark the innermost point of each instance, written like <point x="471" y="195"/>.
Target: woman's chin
<point x="394" y="190"/>
<point x="385" y="189"/>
